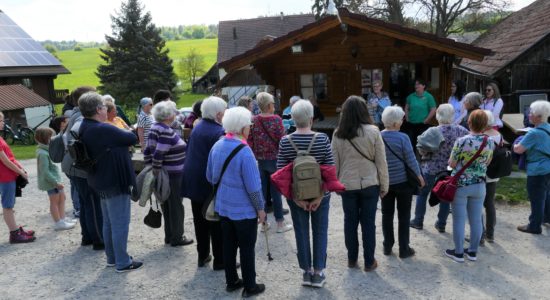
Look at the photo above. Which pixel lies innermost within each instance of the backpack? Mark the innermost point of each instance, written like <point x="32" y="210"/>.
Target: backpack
<point x="57" y="148"/>
<point x="79" y="153"/>
<point x="306" y="173"/>
<point x="501" y="164"/>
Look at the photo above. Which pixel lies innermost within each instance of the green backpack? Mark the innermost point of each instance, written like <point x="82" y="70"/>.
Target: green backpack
<point x="306" y="174"/>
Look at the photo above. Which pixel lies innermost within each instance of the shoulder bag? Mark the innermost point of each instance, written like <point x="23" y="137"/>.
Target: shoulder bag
<point x="445" y="189"/>
<point x="412" y="178"/>
<point x="501" y="164"/>
<point x="208" y="208"/>
<point x="359" y="151"/>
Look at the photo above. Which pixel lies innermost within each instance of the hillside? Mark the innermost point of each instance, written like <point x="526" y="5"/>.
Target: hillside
<point x="83" y="64"/>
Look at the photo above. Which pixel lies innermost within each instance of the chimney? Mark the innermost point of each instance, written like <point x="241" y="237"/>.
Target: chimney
<point x="282" y="16"/>
<point x="234" y="33"/>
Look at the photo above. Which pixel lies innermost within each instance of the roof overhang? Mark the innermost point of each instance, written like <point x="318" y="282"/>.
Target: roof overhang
<point x="17" y="96"/>
<point x="362" y="22"/>
<point x="33" y="71"/>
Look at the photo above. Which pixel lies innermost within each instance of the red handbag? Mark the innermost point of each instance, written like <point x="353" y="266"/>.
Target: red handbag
<point x="445" y="189"/>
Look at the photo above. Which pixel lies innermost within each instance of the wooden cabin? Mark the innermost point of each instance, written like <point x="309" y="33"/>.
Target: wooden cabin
<point x="520" y="64"/>
<point x="338" y="56"/>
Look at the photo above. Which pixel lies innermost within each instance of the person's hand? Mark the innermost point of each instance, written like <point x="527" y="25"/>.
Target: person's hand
<point x="383" y="193"/>
<point x="422" y="182"/>
<point x="302" y="204"/>
<point x="23" y="173"/>
<point x="59" y="186"/>
<point x="261" y="216"/>
<point x="313" y="205"/>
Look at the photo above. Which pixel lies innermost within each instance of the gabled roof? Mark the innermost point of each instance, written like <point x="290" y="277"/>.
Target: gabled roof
<point x="19" y="50"/>
<point x="512" y="37"/>
<point x="238" y="36"/>
<point x="17" y="96"/>
<point x="359" y="21"/>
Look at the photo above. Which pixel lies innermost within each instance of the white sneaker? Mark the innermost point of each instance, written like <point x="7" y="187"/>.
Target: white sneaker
<point x="284" y="228"/>
<point x="265" y="227"/>
<point x="62" y="225"/>
<point x="70" y="220"/>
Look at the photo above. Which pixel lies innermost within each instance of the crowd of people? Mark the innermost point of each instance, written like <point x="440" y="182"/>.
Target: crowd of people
<point x="234" y="152"/>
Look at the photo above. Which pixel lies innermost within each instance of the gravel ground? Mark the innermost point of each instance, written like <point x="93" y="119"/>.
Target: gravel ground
<point x="516" y="266"/>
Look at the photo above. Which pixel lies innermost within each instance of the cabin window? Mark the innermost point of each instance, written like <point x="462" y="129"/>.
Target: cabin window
<point x="314" y="85"/>
<point x="434" y="78"/>
<point x="27" y="82"/>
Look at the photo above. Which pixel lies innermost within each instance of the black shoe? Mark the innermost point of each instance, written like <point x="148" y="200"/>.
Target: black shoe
<point x="203" y="262"/>
<point x="526" y="229"/>
<point x="387" y="251"/>
<point x="490" y="238"/>
<point x="167" y="241"/>
<point x="235" y="286"/>
<point x="133" y="266"/>
<point x="407" y="253"/>
<point x="86" y="243"/>
<point x="470" y="255"/>
<point x="98" y="246"/>
<point x="258" y="289"/>
<point x="285" y="211"/>
<point x="416" y="225"/>
<point x="459" y="258"/>
<point x="222" y="267"/>
<point x="269" y="209"/>
<point x="441" y="229"/>
<point x="183" y="242"/>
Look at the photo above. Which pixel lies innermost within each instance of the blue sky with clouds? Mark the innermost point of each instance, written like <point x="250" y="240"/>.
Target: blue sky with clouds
<point x="86" y="20"/>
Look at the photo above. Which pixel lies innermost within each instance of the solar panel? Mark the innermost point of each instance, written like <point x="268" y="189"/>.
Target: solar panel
<point x="17" y="48"/>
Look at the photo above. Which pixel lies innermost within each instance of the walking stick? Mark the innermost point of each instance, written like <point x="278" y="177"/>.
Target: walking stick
<point x="269" y="257"/>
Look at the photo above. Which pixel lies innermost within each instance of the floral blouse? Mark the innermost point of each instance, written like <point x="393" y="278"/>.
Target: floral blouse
<point x="376" y="106"/>
<point x="440" y="160"/>
<point x="464" y="149"/>
<point x="264" y="137"/>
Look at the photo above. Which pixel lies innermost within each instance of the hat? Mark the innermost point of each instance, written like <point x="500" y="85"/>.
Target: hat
<point x="145" y="100"/>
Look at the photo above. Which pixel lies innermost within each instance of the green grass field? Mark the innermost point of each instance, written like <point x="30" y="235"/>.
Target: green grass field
<point x="83" y="64"/>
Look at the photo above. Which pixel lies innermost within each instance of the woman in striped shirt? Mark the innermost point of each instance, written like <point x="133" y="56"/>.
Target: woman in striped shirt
<point x="318" y="209"/>
<point x="166" y="150"/>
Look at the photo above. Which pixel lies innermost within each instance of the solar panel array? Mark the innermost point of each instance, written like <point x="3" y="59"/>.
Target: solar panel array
<point x="18" y="49"/>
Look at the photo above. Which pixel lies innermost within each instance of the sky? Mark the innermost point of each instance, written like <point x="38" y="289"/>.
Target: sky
<point x="85" y="20"/>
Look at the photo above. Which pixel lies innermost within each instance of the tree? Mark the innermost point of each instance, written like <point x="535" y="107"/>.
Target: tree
<point x="136" y="60"/>
<point x="388" y="10"/>
<point x="443" y="13"/>
<point x="192" y="65"/>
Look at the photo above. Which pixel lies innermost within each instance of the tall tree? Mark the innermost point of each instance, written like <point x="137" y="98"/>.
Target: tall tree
<point x="443" y="13"/>
<point x="388" y="10"/>
<point x="136" y="60"/>
<point x="192" y="65"/>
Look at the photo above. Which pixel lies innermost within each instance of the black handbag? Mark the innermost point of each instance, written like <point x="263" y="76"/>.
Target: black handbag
<point x="412" y="178"/>
<point x="208" y="211"/>
<point x="153" y="218"/>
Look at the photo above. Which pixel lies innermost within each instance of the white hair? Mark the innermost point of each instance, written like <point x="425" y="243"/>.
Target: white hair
<point x="293" y="100"/>
<point x="490" y="118"/>
<point x="264" y="99"/>
<point x="108" y="98"/>
<point x="445" y="114"/>
<point x="541" y="108"/>
<point x="164" y="110"/>
<point x="473" y="99"/>
<point x="302" y="113"/>
<point x="211" y="106"/>
<point x="235" y="119"/>
<point x="392" y="115"/>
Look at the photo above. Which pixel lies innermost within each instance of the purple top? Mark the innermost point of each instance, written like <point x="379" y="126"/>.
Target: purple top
<point x="165" y="149"/>
<point x="265" y="134"/>
<point x="440" y="160"/>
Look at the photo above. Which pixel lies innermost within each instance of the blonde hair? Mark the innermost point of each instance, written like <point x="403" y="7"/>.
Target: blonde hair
<point x="43" y="135"/>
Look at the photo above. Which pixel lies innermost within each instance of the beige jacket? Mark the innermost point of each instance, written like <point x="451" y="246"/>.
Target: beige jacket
<point x="355" y="171"/>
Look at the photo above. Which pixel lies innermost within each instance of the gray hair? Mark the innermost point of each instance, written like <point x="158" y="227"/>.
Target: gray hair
<point x="88" y="104"/>
<point x="264" y="99"/>
<point x="293" y="100"/>
<point x="164" y="110"/>
<point x="392" y="115"/>
<point x="211" y="106"/>
<point x="108" y="98"/>
<point x="445" y="114"/>
<point x="302" y="113"/>
<point x="235" y="119"/>
<point x="490" y="118"/>
<point x="541" y="108"/>
<point x="473" y="99"/>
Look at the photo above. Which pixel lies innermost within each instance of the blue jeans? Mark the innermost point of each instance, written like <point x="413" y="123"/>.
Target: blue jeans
<point x="268" y="167"/>
<point x="360" y="207"/>
<point x="538" y="190"/>
<point x="116" y="223"/>
<point x="468" y="203"/>
<point x="74" y="196"/>
<point x="420" y="209"/>
<point x="7" y="192"/>
<point x="319" y="226"/>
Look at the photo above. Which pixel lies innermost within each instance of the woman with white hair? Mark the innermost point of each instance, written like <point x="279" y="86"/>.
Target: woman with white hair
<point x="537" y="145"/>
<point x="399" y="155"/>
<point x="435" y="145"/>
<point x="165" y="150"/>
<point x="265" y="134"/>
<point x="491" y="184"/>
<point x="239" y="200"/>
<point x="195" y="186"/>
<point x="287" y="118"/>
<point x="301" y="210"/>
<point x="472" y="101"/>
